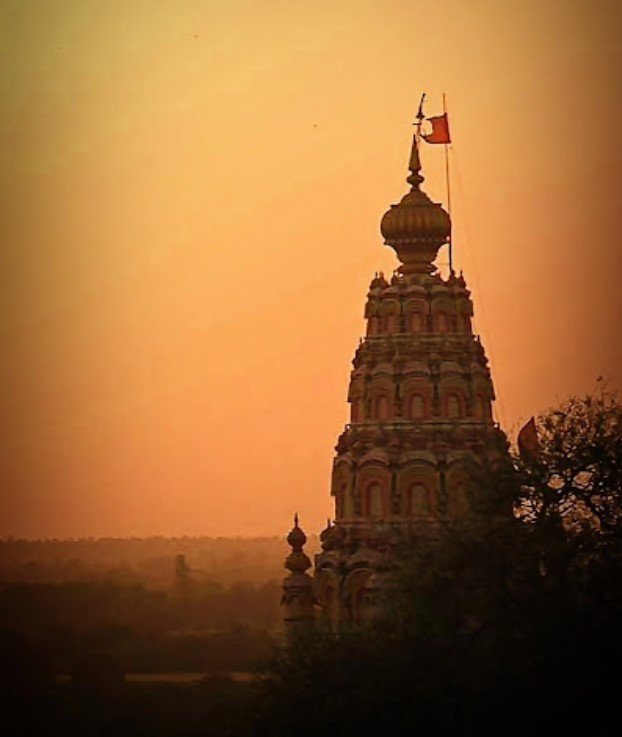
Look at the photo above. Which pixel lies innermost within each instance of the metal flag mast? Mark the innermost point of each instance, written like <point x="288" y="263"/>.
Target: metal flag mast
<point x="441" y="136"/>
<point x="450" y="244"/>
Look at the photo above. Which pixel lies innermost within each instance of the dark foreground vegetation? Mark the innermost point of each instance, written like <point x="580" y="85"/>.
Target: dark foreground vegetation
<point x="505" y="623"/>
<point x="111" y="655"/>
<point x="145" y="630"/>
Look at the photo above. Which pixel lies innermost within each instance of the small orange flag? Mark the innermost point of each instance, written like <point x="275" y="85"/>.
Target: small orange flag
<point x="528" y="444"/>
<point x="440" y="130"/>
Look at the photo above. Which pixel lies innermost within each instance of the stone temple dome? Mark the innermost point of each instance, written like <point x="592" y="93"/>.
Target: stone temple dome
<point x="416" y="227"/>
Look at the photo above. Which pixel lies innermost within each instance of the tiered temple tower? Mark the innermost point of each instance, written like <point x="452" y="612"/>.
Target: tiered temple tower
<point x="421" y="412"/>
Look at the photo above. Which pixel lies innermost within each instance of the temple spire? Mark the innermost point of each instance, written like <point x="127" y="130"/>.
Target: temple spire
<point x="298" y="598"/>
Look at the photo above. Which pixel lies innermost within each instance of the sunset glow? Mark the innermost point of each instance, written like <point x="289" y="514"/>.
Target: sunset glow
<point x="192" y="193"/>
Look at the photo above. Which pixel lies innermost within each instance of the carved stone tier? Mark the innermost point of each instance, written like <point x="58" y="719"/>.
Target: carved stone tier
<point x="421" y="414"/>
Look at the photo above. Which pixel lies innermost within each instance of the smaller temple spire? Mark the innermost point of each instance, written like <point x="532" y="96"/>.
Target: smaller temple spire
<point x="298" y="597"/>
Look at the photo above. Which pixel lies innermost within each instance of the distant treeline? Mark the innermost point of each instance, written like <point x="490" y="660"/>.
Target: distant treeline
<point x="149" y="561"/>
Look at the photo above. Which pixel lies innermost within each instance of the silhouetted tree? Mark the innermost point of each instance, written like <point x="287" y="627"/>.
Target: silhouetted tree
<point x="573" y="475"/>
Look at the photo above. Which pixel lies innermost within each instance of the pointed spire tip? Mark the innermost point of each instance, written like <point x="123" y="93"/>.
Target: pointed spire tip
<point x="415" y="178"/>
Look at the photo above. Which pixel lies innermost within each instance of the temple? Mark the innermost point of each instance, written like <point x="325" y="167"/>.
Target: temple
<point x="420" y="399"/>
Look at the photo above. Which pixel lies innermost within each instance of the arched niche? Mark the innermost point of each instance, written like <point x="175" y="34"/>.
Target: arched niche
<point x="417" y="406"/>
<point x="464" y="312"/>
<point x="357" y="409"/>
<point x="389" y="307"/>
<point x="382" y="406"/>
<point x="457" y="499"/>
<point x="371" y="308"/>
<point x="454" y="406"/>
<point x="418" y="487"/>
<point x="373" y="326"/>
<point x="355" y="595"/>
<point x="416" y="322"/>
<point x="341" y="488"/>
<point x="415" y="312"/>
<point x="483" y="410"/>
<point x="374" y="501"/>
<point x="374" y="484"/>
<point x="326" y="589"/>
<point x="389" y="311"/>
<point x="459" y="487"/>
<point x="453" y="399"/>
<point x="418" y="501"/>
<point x="349" y="506"/>
<point x="417" y="402"/>
<point x="482" y="395"/>
<point x="441" y="322"/>
<point x="443" y="315"/>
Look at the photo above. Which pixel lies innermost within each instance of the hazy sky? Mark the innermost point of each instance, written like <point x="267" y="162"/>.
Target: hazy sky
<point x="191" y="198"/>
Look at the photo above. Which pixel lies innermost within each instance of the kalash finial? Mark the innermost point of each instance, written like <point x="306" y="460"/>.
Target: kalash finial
<point x="416" y="227"/>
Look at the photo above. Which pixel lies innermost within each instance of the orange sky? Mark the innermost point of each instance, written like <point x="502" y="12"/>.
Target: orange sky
<point x="191" y="198"/>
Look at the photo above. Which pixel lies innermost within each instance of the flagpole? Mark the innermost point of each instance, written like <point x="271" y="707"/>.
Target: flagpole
<point x="451" y="260"/>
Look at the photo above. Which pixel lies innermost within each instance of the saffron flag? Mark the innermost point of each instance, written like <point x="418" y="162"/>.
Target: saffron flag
<point x="440" y="130"/>
<point x="528" y="445"/>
